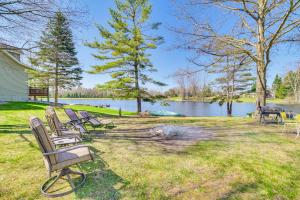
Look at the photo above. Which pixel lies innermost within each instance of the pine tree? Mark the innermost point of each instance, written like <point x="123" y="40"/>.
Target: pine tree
<point x="235" y="79"/>
<point x="125" y="50"/>
<point x="279" y="88"/>
<point x="56" y="58"/>
<point x="276" y="83"/>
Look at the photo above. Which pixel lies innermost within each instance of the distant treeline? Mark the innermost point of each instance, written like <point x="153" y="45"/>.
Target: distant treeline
<point x="85" y="93"/>
<point x="288" y="85"/>
<point x="100" y="93"/>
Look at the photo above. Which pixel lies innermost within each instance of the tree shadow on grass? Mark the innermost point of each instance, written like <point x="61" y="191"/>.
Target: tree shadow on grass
<point x="30" y="143"/>
<point x="102" y="182"/>
<point x="15" y="129"/>
<point x="239" y="189"/>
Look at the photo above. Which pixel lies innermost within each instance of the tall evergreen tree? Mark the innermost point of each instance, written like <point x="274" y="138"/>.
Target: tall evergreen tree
<point x="235" y="79"/>
<point x="124" y="50"/>
<point x="279" y="88"/>
<point x="56" y="58"/>
<point x="276" y="83"/>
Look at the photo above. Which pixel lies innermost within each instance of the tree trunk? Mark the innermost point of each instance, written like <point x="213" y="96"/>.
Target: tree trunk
<point x="295" y="95"/>
<point x="139" y="104"/>
<point x="137" y="87"/>
<point x="228" y="101"/>
<point x="136" y="69"/>
<point x="183" y="94"/>
<point x="56" y="85"/>
<point x="48" y="92"/>
<point x="56" y="93"/>
<point x="229" y="109"/>
<point x="261" y="89"/>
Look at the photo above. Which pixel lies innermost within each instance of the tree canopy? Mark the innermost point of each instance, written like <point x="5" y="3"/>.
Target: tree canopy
<point x="124" y="49"/>
<point x="56" y="59"/>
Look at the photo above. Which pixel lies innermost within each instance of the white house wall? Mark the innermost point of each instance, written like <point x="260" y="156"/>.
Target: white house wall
<point x="13" y="80"/>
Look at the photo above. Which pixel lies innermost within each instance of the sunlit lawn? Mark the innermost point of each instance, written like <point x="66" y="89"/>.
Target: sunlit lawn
<point x="242" y="160"/>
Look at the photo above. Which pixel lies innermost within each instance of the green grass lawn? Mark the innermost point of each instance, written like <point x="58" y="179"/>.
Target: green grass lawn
<point x="242" y="160"/>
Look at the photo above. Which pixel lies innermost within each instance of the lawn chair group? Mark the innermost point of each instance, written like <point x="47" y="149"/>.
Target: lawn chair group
<point x="61" y="150"/>
<point x="62" y="135"/>
<point x="86" y="117"/>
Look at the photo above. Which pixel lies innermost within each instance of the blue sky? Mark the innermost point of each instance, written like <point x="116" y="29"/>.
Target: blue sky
<point x="166" y="58"/>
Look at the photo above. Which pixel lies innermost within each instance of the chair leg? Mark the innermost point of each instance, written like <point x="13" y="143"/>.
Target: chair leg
<point x="70" y="181"/>
<point x="55" y="179"/>
<point x="64" y="172"/>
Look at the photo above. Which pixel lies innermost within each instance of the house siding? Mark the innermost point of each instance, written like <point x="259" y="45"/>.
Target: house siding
<point x="13" y="80"/>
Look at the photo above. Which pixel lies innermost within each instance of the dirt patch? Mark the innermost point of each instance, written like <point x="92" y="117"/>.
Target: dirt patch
<point x="186" y="136"/>
<point x="180" y="135"/>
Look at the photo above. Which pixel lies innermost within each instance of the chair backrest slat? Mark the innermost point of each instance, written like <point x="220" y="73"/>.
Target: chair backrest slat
<point x="84" y="114"/>
<point x="77" y="122"/>
<point x="44" y="141"/>
<point x="72" y="115"/>
<point x="93" y="121"/>
<point x="53" y="121"/>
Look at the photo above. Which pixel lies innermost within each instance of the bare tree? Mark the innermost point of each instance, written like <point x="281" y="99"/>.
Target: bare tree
<point x="292" y="80"/>
<point x="188" y="82"/>
<point x="194" y="84"/>
<point x="180" y="78"/>
<point x="255" y="28"/>
<point x="21" y="20"/>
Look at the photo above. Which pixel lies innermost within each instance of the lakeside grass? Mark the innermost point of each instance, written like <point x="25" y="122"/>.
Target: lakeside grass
<point x="269" y="100"/>
<point x="240" y="100"/>
<point x="243" y="160"/>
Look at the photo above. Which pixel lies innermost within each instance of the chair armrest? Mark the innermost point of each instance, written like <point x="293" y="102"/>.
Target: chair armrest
<point x="84" y="119"/>
<point x="63" y="124"/>
<point x="73" y="126"/>
<point x="92" y="117"/>
<point x="65" y="149"/>
<point x="65" y="137"/>
<point x="70" y="122"/>
<point x="74" y="122"/>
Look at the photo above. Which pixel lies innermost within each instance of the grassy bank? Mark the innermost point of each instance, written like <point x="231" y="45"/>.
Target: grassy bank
<point x="241" y="100"/>
<point x="241" y="159"/>
<point x="269" y="100"/>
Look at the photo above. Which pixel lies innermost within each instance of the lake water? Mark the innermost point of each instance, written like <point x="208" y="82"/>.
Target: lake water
<point x="185" y="108"/>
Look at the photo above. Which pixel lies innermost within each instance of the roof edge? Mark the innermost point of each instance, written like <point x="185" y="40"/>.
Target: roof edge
<point x="15" y="60"/>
